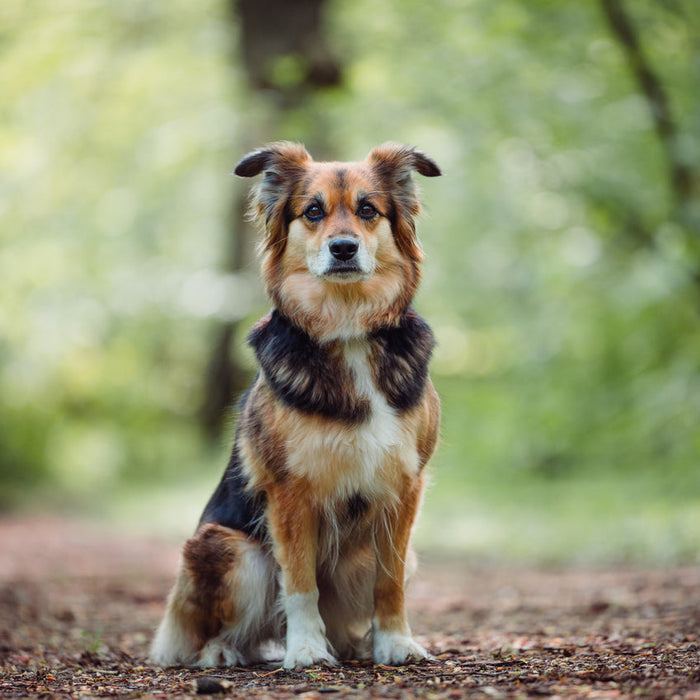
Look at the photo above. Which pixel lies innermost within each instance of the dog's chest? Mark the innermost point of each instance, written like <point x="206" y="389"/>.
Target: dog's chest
<point x="366" y="457"/>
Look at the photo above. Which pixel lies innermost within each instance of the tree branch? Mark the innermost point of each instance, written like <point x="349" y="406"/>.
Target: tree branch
<point x="680" y="175"/>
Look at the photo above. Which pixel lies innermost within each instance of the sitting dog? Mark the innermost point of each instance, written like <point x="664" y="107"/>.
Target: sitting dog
<point x="307" y="535"/>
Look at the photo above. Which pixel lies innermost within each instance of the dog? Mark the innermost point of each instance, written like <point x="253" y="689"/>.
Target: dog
<point x="307" y="535"/>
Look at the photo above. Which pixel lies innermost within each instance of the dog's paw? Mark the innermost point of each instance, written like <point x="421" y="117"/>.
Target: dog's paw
<point x="308" y="653"/>
<point x="395" y="649"/>
<point x="361" y="648"/>
<point x="217" y="652"/>
<point x="307" y="644"/>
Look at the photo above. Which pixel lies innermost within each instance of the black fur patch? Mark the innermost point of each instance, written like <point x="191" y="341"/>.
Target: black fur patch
<point x="234" y="505"/>
<point x="400" y="357"/>
<point x="340" y="178"/>
<point x="269" y="447"/>
<point x="304" y="374"/>
<point x="357" y="506"/>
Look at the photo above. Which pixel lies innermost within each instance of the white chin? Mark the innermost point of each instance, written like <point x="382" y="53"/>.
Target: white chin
<point x="344" y="277"/>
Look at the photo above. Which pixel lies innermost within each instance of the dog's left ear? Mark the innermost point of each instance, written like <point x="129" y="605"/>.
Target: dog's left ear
<point x="396" y="161"/>
<point x="394" y="164"/>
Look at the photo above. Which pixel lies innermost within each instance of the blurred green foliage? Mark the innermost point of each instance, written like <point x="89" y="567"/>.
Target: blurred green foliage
<point x="559" y="272"/>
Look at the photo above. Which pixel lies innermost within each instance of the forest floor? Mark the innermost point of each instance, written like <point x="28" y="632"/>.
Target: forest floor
<point x="78" y="606"/>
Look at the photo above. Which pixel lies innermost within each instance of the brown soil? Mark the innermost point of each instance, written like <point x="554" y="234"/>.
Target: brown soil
<point x="77" y="607"/>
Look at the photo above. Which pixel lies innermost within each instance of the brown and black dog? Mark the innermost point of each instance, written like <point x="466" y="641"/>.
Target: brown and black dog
<point x="308" y="533"/>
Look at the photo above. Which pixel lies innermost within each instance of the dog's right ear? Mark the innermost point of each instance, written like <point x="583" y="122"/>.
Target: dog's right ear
<point x="283" y="164"/>
<point x="254" y="163"/>
<point x="279" y="157"/>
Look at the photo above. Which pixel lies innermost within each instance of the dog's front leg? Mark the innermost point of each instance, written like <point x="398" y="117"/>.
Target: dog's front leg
<point x="294" y="525"/>
<point x="393" y="644"/>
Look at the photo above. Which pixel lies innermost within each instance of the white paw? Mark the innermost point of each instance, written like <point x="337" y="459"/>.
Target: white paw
<point x="309" y="653"/>
<point x="306" y="632"/>
<point x="395" y="649"/>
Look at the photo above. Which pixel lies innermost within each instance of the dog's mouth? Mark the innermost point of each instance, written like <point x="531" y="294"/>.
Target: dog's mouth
<point x="341" y="271"/>
<point x="343" y="268"/>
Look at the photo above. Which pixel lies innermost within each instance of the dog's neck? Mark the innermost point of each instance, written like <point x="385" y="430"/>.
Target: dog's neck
<point x="335" y="321"/>
<point x="329" y="311"/>
<point x="323" y="377"/>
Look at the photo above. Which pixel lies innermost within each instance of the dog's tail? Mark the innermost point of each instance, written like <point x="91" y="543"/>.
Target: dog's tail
<point x="173" y="644"/>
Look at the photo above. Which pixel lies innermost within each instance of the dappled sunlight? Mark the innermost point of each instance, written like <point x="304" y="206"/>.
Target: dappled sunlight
<point x="468" y="352"/>
<point x="561" y="257"/>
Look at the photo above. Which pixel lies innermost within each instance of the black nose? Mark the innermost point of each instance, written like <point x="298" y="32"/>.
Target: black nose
<point x="343" y="248"/>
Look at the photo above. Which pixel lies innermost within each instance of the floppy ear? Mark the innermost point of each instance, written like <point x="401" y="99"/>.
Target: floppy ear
<point x="280" y="155"/>
<point x="283" y="164"/>
<point x="254" y="163"/>
<point x="394" y="164"/>
<point x="396" y="161"/>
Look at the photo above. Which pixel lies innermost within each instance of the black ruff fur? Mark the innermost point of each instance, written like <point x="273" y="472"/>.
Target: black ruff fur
<point x="400" y="357"/>
<point x="304" y="374"/>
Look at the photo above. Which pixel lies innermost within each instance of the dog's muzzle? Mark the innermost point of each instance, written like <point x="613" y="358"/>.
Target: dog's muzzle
<point x="344" y="259"/>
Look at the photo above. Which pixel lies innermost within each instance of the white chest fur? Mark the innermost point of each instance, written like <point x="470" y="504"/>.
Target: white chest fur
<point x="355" y="459"/>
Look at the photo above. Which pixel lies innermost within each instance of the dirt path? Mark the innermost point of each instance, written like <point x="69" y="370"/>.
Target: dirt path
<point x="77" y="606"/>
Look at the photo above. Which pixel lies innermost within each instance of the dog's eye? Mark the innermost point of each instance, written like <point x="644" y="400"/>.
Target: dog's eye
<point x="314" y="212"/>
<point x="366" y="211"/>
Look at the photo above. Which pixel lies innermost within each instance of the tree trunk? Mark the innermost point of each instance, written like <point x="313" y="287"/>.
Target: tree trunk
<point x="683" y="179"/>
<point x="287" y="59"/>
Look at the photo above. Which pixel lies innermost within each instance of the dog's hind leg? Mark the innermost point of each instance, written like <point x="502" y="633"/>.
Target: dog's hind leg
<point x="223" y="604"/>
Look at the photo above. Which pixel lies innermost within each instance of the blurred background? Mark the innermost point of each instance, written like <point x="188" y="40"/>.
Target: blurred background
<point x="562" y="245"/>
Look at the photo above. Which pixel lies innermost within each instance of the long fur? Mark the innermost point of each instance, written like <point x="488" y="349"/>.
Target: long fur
<point x="306" y="539"/>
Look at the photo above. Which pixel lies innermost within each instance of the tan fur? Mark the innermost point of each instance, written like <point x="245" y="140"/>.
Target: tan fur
<point x="320" y="307"/>
<point x="341" y="496"/>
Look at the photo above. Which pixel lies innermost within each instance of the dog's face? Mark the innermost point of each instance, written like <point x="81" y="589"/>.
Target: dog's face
<point x="339" y="236"/>
<point x="340" y="224"/>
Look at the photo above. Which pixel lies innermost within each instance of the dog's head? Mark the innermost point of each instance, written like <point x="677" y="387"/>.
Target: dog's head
<point x="339" y="237"/>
